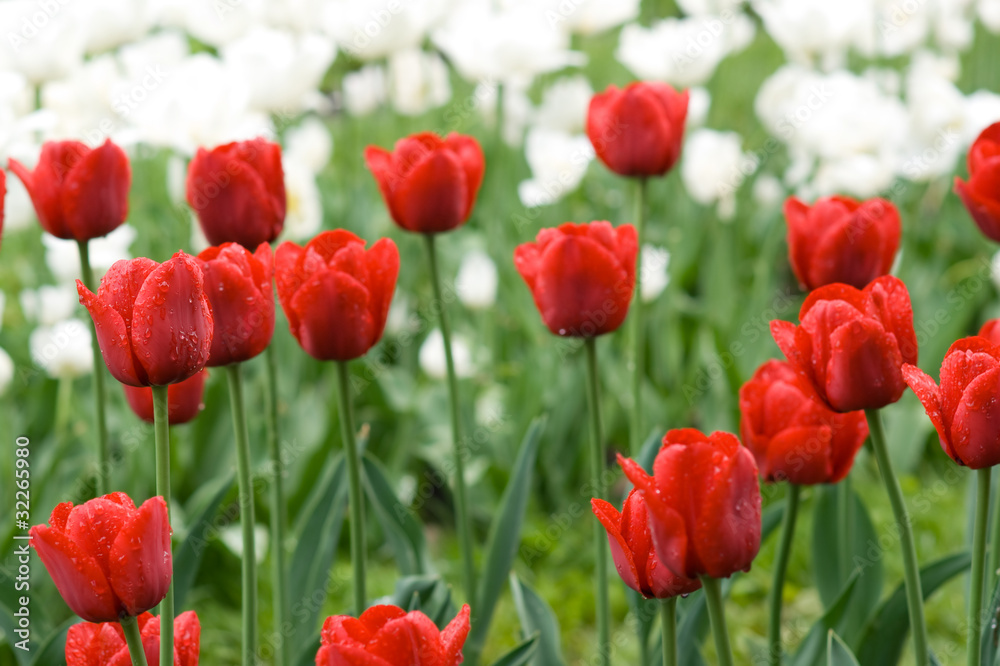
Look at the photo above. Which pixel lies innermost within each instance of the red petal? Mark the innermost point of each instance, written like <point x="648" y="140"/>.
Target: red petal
<point x="376" y="617"/>
<point x="801" y="455"/>
<point x="77" y="576"/>
<point x="975" y="429"/>
<point x="727" y="530"/>
<point x="334" y="317"/>
<point x="891" y="306"/>
<point x="433" y="197"/>
<point x="187" y="638"/>
<point x="864" y="368"/>
<point x="379" y="162"/>
<point x="470" y="156"/>
<point x="141" y="563"/>
<point x="349" y="655"/>
<point x="265" y="158"/>
<point x="621" y="553"/>
<point x="95" y="193"/>
<point x="413" y="639"/>
<point x="93" y="527"/>
<point x="243" y="315"/>
<point x="44" y="184"/>
<point x="113" y="339"/>
<point x="172" y="335"/>
<point x="453" y="637"/>
<point x="383" y="271"/>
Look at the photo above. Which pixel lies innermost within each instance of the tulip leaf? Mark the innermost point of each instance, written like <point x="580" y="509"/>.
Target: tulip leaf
<point x="427" y="594"/>
<point x="8" y="624"/>
<point x="812" y="650"/>
<point x="837" y="652"/>
<point x="694" y="624"/>
<point x="402" y="530"/>
<point x="991" y="633"/>
<point x="537" y="618"/>
<point x="505" y="535"/>
<point x="883" y="639"/>
<point x="834" y="562"/>
<point x="322" y="519"/>
<point x="520" y="655"/>
<point x="52" y="649"/>
<point x="187" y="557"/>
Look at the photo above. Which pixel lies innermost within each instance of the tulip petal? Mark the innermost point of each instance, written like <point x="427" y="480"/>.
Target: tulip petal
<point x="243" y="316"/>
<point x="44" y="184"/>
<point x="800" y="455"/>
<point x="453" y="637"/>
<point x="975" y="429"/>
<point x="863" y="371"/>
<point x="264" y="157"/>
<point x="383" y="272"/>
<point x="930" y="397"/>
<point x="470" y="156"/>
<point x="980" y="198"/>
<point x="187" y="638"/>
<point x="90" y="644"/>
<point x="890" y="304"/>
<point x="172" y="333"/>
<point x="94" y="525"/>
<point x="77" y="576"/>
<point x="341" y="629"/>
<point x="113" y="339"/>
<point x="621" y="554"/>
<point x="433" y="197"/>
<point x="141" y="564"/>
<point x="287" y="279"/>
<point x="334" y="317"/>
<point x="379" y="161"/>
<point x="349" y="655"/>
<point x="95" y="192"/>
<point x="413" y="639"/>
<point x="727" y="531"/>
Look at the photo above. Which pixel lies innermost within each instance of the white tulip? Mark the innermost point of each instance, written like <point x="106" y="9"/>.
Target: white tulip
<point x="42" y="41"/>
<point x="63" y="350"/>
<point x="365" y="90"/>
<point x="6" y="371"/>
<point x="372" y="29"/>
<point x="714" y="167"/>
<point x="564" y="105"/>
<point x="63" y="259"/>
<point x="558" y="163"/>
<point x="304" y="209"/>
<point x="49" y="304"/>
<point x="654" y="277"/>
<point x="809" y="30"/>
<point x="432" y="358"/>
<point x="477" y="279"/>
<point x="310" y="144"/>
<point x="418" y="82"/>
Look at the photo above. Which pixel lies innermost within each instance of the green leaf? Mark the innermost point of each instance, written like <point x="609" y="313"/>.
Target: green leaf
<point x="519" y="655"/>
<point x="991" y="633"/>
<point x="187" y="558"/>
<point x="837" y="652"/>
<point x="831" y="574"/>
<point x="693" y="623"/>
<point x="402" y="530"/>
<point x="537" y="618"/>
<point x="811" y="651"/>
<point x="505" y="535"/>
<point x="885" y="634"/>
<point x="52" y="650"/>
<point x="428" y="594"/>
<point x="308" y="578"/>
<point x="649" y="450"/>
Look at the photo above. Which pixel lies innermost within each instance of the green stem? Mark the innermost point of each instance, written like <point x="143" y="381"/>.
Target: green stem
<point x="638" y="339"/>
<point x="994" y="546"/>
<point x="597" y="460"/>
<point x="464" y="526"/>
<point x="717" y="615"/>
<point x="358" y="547"/>
<point x="279" y="513"/>
<point x="668" y="619"/>
<point x="134" y="640"/>
<point x="978" y="564"/>
<point x="845" y="526"/>
<point x="249" y="560"/>
<point x="911" y="570"/>
<point x="780" y="567"/>
<point x="103" y="456"/>
<point x="161" y="432"/>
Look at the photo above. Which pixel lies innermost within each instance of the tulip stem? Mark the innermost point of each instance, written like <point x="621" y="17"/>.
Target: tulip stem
<point x="134" y="640"/>
<point x="911" y="570"/>
<point x="638" y="339"/>
<point x="358" y="547"/>
<point x="597" y="462"/>
<point x="845" y="525"/>
<point x="249" y="559"/>
<point x="103" y="454"/>
<point x="462" y="519"/>
<point x="994" y="547"/>
<point x="717" y="615"/>
<point x="668" y="620"/>
<point x="780" y="567"/>
<point x="161" y="433"/>
<point x="279" y="513"/>
<point x="978" y="565"/>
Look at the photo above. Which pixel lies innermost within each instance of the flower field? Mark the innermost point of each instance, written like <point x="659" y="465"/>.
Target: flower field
<point x="426" y="332"/>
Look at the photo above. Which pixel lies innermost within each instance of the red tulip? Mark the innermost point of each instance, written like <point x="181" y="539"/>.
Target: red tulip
<point x="841" y="240"/>
<point x="991" y="331"/>
<point x="852" y="343"/>
<point x="103" y="644"/>
<point x="981" y="194"/>
<point x="389" y="636"/>
<point x="581" y="276"/>
<point x="79" y="193"/>
<point x="638" y="131"/>
<point x="237" y="191"/>
<point x="793" y="436"/>
<point x="429" y="184"/>
<point x="704" y="503"/>
<point x="107" y="558"/>
<point x="238" y="285"/>
<point x="964" y="409"/>
<point x="183" y="399"/>
<point x="632" y="550"/>
<point x="335" y="293"/>
<point x="154" y="322"/>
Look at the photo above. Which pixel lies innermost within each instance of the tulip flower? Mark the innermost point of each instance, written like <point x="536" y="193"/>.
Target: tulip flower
<point x="793" y="436"/>
<point x="704" y="506"/>
<point x="852" y="343"/>
<point x="429" y="184"/>
<point x="107" y="558"/>
<point x="78" y="193"/>
<point x="964" y="409"/>
<point x="581" y="276"/>
<point x="637" y="131"/>
<point x="103" y="644"/>
<point x="237" y="190"/>
<point x="183" y="399"/>
<point x="389" y="636"/>
<point x="981" y="194"/>
<point x="335" y="293"/>
<point x="839" y="239"/>
<point x="153" y="321"/>
<point x="632" y="550"/>
<point x="238" y="285"/>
